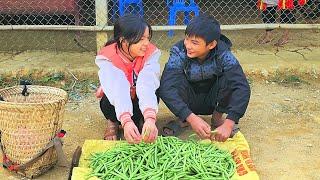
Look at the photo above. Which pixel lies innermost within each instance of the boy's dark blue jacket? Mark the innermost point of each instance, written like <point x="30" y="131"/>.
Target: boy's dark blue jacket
<point x="219" y="62"/>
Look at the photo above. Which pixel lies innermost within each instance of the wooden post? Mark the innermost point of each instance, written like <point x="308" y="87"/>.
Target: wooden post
<point x="101" y="21"/>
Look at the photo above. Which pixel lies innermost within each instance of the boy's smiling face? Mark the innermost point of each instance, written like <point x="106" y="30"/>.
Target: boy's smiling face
<point x="197" y="47"/>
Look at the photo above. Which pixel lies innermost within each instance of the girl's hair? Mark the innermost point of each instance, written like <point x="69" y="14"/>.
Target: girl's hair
<point x="130" y="28"/>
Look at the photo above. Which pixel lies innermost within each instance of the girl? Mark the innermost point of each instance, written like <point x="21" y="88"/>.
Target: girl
<point x="129" y="77"/>
<point x="269" y="10"/>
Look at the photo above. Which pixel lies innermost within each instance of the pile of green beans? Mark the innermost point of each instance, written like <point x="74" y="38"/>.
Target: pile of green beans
<point x="167" y="158"/>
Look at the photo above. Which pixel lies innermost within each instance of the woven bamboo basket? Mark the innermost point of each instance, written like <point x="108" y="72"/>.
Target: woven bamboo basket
<point x="29" y="123"/>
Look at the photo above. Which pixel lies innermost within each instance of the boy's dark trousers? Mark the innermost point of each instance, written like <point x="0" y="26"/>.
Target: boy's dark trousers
<point x="205" y="103"/>
<point x="217" y="99"/>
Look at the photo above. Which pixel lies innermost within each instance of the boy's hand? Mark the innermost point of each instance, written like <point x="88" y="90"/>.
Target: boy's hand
<point x="223" y="131"/>
<point x="201" y="127"/>
<point x="131" y="133"/>
<point x="149" y="130"/>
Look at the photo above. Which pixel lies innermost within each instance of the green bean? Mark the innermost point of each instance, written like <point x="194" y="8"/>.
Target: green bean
<point x="167" y="158"/>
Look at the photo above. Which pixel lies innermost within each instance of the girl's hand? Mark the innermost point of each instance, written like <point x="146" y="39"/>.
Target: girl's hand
<point x="149" y="130"/>
<point x="131" y="133"/>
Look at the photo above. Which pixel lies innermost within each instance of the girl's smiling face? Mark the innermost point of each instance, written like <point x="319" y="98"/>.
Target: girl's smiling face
<point x="139" y="48"/>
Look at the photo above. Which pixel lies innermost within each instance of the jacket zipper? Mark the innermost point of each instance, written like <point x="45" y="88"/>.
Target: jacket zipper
<point x="201" y="72"/>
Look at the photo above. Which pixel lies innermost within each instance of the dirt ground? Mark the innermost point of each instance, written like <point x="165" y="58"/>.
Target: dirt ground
<point x="281" y="125"/>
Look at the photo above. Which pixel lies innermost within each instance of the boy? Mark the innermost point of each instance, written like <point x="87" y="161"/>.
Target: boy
<point x="202" y="77"/>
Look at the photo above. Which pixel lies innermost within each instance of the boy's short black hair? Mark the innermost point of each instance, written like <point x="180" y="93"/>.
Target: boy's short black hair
<point x="205" y="27"/>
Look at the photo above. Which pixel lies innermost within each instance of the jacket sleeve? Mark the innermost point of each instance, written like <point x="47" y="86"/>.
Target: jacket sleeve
<point x="171" y="76"/>
<point x="147" y="84"/>
<point x="238" y="84"/>
<point x="116" y="87"/>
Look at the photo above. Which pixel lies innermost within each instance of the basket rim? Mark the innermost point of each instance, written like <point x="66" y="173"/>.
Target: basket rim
<point x="63" y="92"/>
